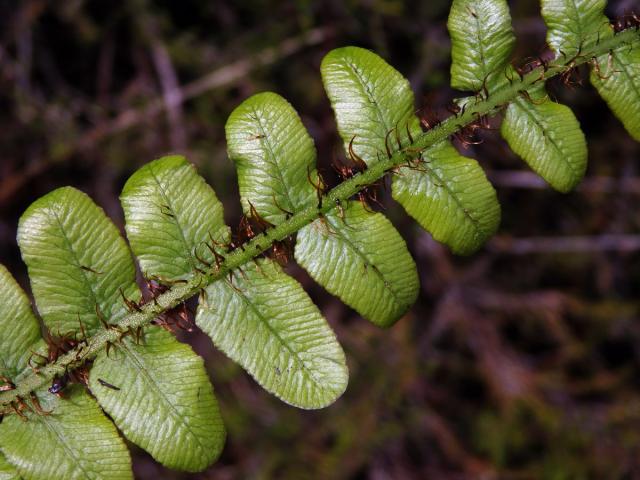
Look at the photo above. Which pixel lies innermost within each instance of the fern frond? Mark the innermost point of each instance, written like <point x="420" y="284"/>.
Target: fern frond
<point x="155" y="389"/>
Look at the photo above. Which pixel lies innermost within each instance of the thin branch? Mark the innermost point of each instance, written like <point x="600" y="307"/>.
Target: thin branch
<point x="171" y="95"/>
<point x="130" y="118"/>
<point x="217" y="78"/>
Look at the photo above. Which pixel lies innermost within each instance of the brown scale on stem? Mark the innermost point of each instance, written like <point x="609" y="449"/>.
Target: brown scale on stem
<point x="287" y="213"/>
<point x="62" y="344"/>
<point x="130" y="304"/>
<point x="217" y="257"/>
<point x="368" y="193"/>
<point x="319" y="185"/>
<point x="429" y="118"/>
<point x="280" y="250"/>
<point x="629" y="20"/>
<point x="19" y="406"/>
<point x="524" y="94"/>
<point x="36" y="405"/>
<point x="467" y="135"/>
<point x="567" y="76"/>
<point x="177" y="318"/>
<point x="533" y="63"/>
<point x="8" y="384"/>
<point x="57" y="345"/>
<point x="596" y="67"/>
<point x="386" y="143"/>
<point x="570" y="77"/>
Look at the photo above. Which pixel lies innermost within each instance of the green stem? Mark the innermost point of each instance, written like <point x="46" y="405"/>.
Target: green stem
<point x="180" y="292"/>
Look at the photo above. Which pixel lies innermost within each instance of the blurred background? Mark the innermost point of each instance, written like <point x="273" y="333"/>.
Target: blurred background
<point x="519" y="362"/>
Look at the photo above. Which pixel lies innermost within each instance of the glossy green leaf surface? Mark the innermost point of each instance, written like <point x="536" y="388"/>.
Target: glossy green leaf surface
<point x="263" y="320"/>
<point x="450" y="197"/>
<point x="573" y="23"/>
<point x="617" y="80"/>
<point x="360" y="257"/>
<point x="170" y="211"/>
<point x="75" y="442"/>
<point x="548" y="137"/>
<point x="7" y="471"/>
<point x="19" y="329"/>
<point x="371" y="100"/>
<point x="77" y="261"/>
<point x="164" y="401"/>
<point x="274" y="156"/>
<point x="482" y="40"/>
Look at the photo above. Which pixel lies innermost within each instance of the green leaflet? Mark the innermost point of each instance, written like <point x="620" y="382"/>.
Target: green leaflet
<point x="169" y="384"/>
<point x="265" y="321"/>
<point x="362" y="259"/>
<point x="450" y="196"/>
<point x="372" y="101"/>
<point x="19" y="329"/>
<point x="617" y="80"/>
<point x="482" y="40"/>
<point x="7" y="472"/>
<point x="72" y="249"/>
<point x="284" y="320"/>
<point x="548" y="137"/>
<point x="75" y="442"/>
<point x="74" y="271"/>
<point x="574" y="23"/>
<point x="274" y="155"/>
<point x="170" y="212"/>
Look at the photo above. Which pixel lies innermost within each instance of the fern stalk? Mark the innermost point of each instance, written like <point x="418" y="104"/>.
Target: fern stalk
<point x="180" y="292"/>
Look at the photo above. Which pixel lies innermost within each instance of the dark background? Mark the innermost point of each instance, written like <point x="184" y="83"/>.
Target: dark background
<point x="519" y="362"/>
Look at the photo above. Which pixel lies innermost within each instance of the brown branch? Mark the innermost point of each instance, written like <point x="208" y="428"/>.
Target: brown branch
<point x="171" y="97"/>
<point x="217" y="78"/>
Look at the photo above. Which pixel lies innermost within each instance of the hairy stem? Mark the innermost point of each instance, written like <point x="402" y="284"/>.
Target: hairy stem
<point x="180" y="292"/>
